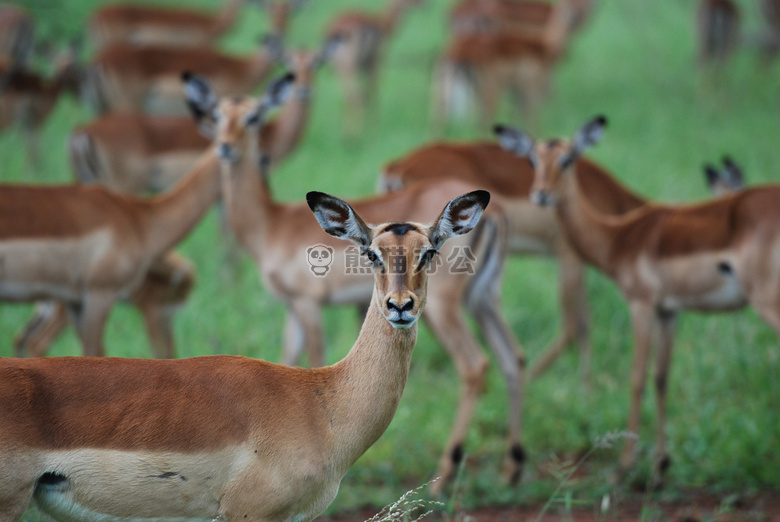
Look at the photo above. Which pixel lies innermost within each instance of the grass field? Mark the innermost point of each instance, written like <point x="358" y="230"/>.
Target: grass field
<point x="633" y="62"/>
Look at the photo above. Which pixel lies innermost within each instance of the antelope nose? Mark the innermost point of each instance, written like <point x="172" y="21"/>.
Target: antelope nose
<point x="541" y="198"/>
<point x="400" y="305"/>
<point x="224" y="151"/>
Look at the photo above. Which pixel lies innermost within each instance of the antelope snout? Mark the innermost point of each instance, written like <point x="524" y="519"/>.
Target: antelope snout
<point x="401" y="310"/>
<point x="543" y="198"/>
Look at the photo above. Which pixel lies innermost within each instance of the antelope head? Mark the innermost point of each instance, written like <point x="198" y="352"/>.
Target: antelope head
<point x="552" y="159"/>
<point x="233" y="122"/>
<point x="400" y="253"/>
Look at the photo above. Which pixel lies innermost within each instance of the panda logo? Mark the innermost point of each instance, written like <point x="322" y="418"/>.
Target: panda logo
<point x="320" y="258"/>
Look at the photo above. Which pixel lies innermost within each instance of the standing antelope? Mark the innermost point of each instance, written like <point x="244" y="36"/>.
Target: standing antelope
<point x="221" y="436"/>
<point x="527" y="16"/>
<point x="357" y="60"/>
<point x="770" y="11"/>
<point x="164" y="289"/>
<point x="716" y="256"/>
<point x="718" y="30"/>
<point x="151" y="25"/>
<point x="16" y="33"/>
<point x="136" y="153"/>
<point x="279" y="237"/>
<point x="88" y="246"/>
<point x="484" y="65"/>
<point x="139" y="78"/>
<point x="532" y="229"/>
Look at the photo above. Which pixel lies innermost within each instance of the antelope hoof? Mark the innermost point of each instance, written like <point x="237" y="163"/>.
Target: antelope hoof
<point x="513" y="464"/>
<point x="448" y="466"/>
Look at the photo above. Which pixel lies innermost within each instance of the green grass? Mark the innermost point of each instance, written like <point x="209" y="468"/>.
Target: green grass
<point x="634" y="62"/>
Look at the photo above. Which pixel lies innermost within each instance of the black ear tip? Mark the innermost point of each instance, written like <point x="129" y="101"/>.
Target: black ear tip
<point x="289" y="77"/>
<point x="483" y="196"/>
<point x="727" y="160"/>
<point x="313" y="198"/>
<point x="186" y="76"/>
<point x="499" y="128"/>
<point x="601" y="120"/>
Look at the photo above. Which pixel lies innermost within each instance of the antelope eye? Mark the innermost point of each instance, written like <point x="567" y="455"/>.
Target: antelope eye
<point x="426" y="258"/>
<point x="372" y="256"/>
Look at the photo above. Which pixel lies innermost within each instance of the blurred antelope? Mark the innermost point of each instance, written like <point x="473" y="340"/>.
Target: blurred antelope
<point x="715" y="256"/>
<point x="88" y="246"/>
<point x="27" y="99"/>
<point x="718" y="24"/>
<point x="148" y="78"/>
<point x="152" y="25"/>
<point x="527" y="16"/>
<point x="770" y="11"/>
<point x="484" y="65"/>
<point x="357" y="60"/>
<point x="164" y="289"/>
<point x="279" y="237"/>
<point x="16" y="34"/>
<point x="223" y="436"/>
<point x="136" y="153"/>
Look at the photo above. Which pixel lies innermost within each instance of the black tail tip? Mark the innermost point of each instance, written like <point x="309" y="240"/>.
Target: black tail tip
<point x="601" y="120"/>
<point x="187" y="76"/>
<point x="498" y="128"/>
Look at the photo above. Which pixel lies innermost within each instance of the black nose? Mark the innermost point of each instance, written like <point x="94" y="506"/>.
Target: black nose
<point x="224" y="151"/>
<point x="407" y="306"/>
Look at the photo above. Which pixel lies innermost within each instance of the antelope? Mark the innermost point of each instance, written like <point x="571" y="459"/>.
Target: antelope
<point x="16" y="33"/>
<point x="533" y="230"/>
<point x="151" y="25"/>
<point x="726" y="181"/>
<point x="281" y="239"/>
<point x="221" y="436"/>
<point x="468" y="16"/>
<point x="87" y="246"/>
<point x="164" y="289"/>
<point x="718" y="30"/>
<point x="484" y="65"/>
<point x="27" y="99"/>
<point x="147" y="78"/>
<point x="770" y="10"/>
<point x="136" y="153"/>
<point x="716" y="256"/>
<point x="357" y="60"/>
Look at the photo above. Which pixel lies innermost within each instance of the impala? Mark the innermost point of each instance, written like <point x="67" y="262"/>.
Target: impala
<point x="138" y="78"/>
<point x="485" y="65"/>
<point x="87" y="246"/>
<point x="533" y="230"/>
<point x="715" y="256"/>
<point x="468" y="16"/>
<point x="164" y="289"/>
<point x="726" y="181"/>
<point x="718" y="30"/>
<point x="770" y="11"/>
<point x="136" y="153"/>
<point x="280" y="236"/>
<point x="357" y="60"/>
<point x="16" y="33"/>
<point x="27" y="99"/>
<point x="221" y="436"/>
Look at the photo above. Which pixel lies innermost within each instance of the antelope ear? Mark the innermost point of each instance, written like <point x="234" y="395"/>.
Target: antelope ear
<point x="588" y="135"/>
<point x="459" y="217"/>
<point x="328" y="48"/>
<point x="514" y="140"/>
<point x="274" y="44"/>
<point x="736" y="178"/>
<point x="711" y="175"/>
<point x="338" y="219"/>
<point x="200" y="97"/>
<point x="276" y="94"/>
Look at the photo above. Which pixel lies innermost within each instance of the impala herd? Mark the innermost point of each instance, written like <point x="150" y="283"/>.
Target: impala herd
<point x="178" y="131"/>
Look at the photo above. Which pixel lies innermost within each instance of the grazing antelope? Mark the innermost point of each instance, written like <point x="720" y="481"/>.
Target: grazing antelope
<point x="164" y="289"/>
<point x="358" y="58"/>
<point x="716" y="256"/>
<point x="135" y="153"/>
<point x="718" y="30"/>
<point x="281" y="238"/>
<point x="726" y="181"/>
<point x="152" y="25"/>
<point x="533" y="230"/>
<point x="87" y="246"/>
<point x="483" y="66"/>
<point x="221" y="436"/>
<point x="148" y="78"/>
<point x="16" y="33"/>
